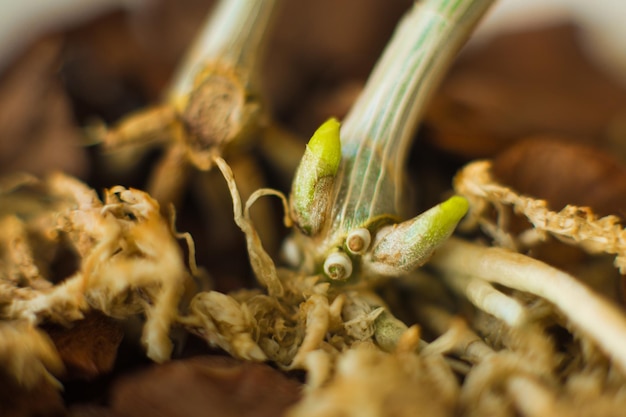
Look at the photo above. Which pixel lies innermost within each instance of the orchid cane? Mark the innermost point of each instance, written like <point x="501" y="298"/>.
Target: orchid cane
<point x="347" y="192"/>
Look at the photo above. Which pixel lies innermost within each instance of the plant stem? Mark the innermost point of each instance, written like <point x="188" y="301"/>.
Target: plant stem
<point x="233" y="35"/>
<point x="377" y="132"/>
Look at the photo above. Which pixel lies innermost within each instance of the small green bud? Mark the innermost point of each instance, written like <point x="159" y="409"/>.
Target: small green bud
<point x="312" y="186"/>
<point x="325" y="147"/>
<point x="400" y="248"/>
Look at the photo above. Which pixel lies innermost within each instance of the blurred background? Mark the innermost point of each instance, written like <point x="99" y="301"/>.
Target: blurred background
<point x="540" y="89"/>
<point x="21" y="23"/>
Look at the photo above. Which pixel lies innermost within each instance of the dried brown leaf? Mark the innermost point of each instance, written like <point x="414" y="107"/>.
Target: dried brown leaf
<point x="533" y="82"/>
<point x="562" y="173"/>
<point x="88" y="348"/>
<point x="42" y="400"/>
<point x="213" y="385"/>
<point x="37" y="130"/>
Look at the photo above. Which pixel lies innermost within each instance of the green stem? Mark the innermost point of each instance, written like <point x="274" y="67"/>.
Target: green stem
<point x="377" y="133"/>
<point x="233" y="36"/>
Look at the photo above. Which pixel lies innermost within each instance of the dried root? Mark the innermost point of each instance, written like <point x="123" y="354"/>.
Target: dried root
<point x="360" y="359"/>
<point x="224" y="323"/>
<point x="575" y="225"/>
<point x="351" y="345"/>
<point x="300" y="323"/>
<point x="129" y="263"/>
<point x="368" y="382"/>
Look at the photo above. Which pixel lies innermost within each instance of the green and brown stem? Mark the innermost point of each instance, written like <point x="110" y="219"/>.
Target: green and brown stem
<point x="359" y="230"/>
<point x="377" y="132"/>
<point x="234" y="35"/>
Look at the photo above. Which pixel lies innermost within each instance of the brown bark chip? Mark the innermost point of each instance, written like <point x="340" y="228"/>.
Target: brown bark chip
<point x="88" y="348"/>
<point x="521" y="84"/>
<point x="562" y="172"/>
<point x="205" y="386"/>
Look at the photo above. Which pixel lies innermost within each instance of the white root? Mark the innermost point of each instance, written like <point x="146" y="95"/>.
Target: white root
<point x="484" y="387"/>
<point x="589" y="312"/>
<point x="446" y="342"/>
<point x="485" y="297"/>
<point x="532" y="399"/>
<point x="468" y="345"/>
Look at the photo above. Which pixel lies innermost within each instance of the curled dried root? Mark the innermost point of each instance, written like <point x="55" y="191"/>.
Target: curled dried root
<point x="574" y="225"/>
<point x="129" y="261"/>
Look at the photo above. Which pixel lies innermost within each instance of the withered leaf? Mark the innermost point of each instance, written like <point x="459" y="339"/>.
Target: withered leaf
<point x="533" y="82"/>
<point x="37" y="130"/>
<point x="562" y="172"/>
<point x="205" y="385"/>
<point x="88" y="348"/>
